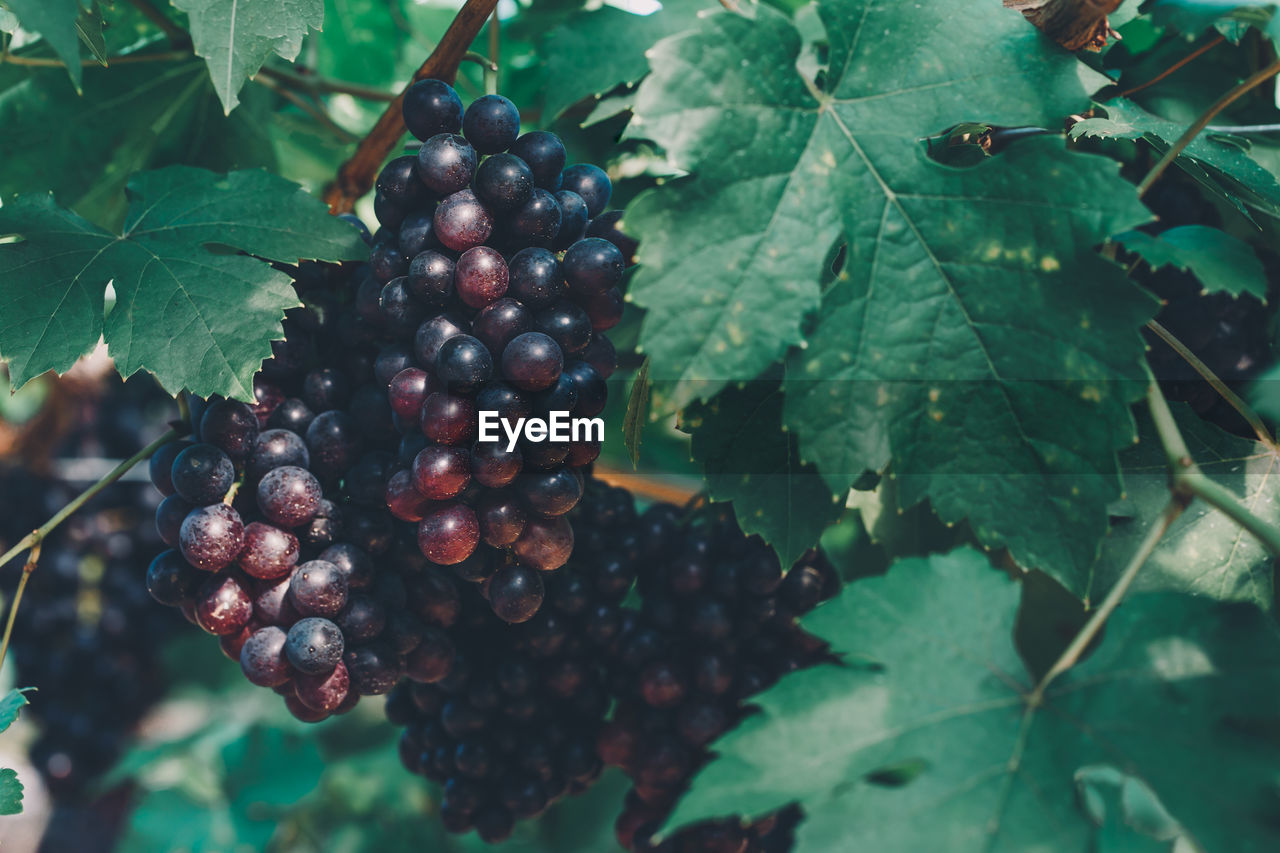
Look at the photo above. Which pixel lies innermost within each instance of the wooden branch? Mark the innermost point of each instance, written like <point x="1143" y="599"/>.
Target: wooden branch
<point x="1074" y="24"/>
<point x="357" y="175"/>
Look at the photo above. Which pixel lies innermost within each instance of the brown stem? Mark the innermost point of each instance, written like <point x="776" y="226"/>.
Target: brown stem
<point x="40" y="62"/>
<point x="1194" y="55"/>
<point x="27" y="569"/>
<point x="357" y="175"/>
<point x="325" y="85"/>
<point x="310" y="109"/>
<point x="1201" y="123"/>
<point x="177" y="36"/>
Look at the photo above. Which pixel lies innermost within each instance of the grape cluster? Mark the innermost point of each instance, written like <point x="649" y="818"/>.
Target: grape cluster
<point x="495" y="299"/>
<point x="716" y="625"/>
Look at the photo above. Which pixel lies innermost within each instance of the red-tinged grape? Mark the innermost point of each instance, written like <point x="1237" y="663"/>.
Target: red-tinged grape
<point x="545" y="544"/>
<point x="223" y="605"/>
<point x="403" y="500"/>
<point x="211" y="537"/>
<point x="318" y="588"/>
<point x="230" y="426"/>
<point x="462" y="222"/>
<point x="532" y="361"/>
<point x="604" y="310"/>
<point x="262" y="658"/>
<point x="271" y="603"/>
<point x="493" y="465"/>
<point x="323" y="692"/>
<point x="448" y="418"/>
<point x="481" y="276"/>
<point x="268" y="551"/>
<point x="289" y="496"/>
<point x="582" y="453"/>
<point x="408" y="391"/>
<point x="232" y="644"/>
<point x="449" y="534"/>
<point x="301" y="712"/>
<point x="516" y="593"/>
<point x="549" y="493"/>
<point x="502" y="518"/>
<point x="440" y="473"/>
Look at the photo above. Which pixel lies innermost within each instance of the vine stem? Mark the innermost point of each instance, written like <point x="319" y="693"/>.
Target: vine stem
<point x="316" y="112"/>
<point x="325" y="85"/>
<point x="356" y="176"/>
<point x="41" y="62"/>
<point x="35" y="539"/>
<point x="176" y="34"/>
<point x="27" y="569"/>
<point x="1191" y="57"/>
<point x="495" y="48"/>
<point x="1246" y="411"/>
<point x="1253" y="81"/>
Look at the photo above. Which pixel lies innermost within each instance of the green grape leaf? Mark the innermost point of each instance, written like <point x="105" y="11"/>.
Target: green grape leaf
<point x="595" y="51"/>
<point x="361" y="41"/>
<point x="89" y="29"/>
<point x="57" y="22"/>
<point x="1231" y="17"/>
<point x="236" y="37"/>
<point x="926" y="740"/>
<point x="140" y="115"/>
<point x="197" y="319"/>
<point x="1222" y="263"/>
<point x="637" y="409"/>
<point x="782" y="173"/>
<point x="10" y="792"/>
<point x="1204" y="553"/>
<point x="748" y="458"/>
<point x="1218" y="162"/>
<point x="11" y="704"/>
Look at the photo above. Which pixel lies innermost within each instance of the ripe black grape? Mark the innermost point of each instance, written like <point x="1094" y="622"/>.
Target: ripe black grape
<point x="532" y="361"/>
<point x="535" y="278"/>
<point x="504" y="183"/>
<point x="590" y="182"/>
<point x="289" y="496"/>
<point x="201" y="474"/>
<point x="262" y="658"/>
<point x="481" y="276"/>
<point x="464" y="364"/>
<point x="592" y="266"/>
<point x="545" y="155"/>
<point x="491" y="124"/>
<point x="314" y="646"/>
<point x="430" y="278"/>
<point x="211" y="537"/>
<point x="432" y="107"/>
<point x="446" y="163"/>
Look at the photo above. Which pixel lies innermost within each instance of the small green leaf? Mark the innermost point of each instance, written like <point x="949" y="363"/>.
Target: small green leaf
<point x="1231" y="17"/>
<point x="749" y="459"/>
<point x="1181" y="693"/>
<point x="56" y="21"/>
<point x="10" y="792"/>
<point x="89" y="29"/>
<point x="197" y="319"/>
<point x="1221" y="262"/>
<point x="1219" y="163"/>
<point x="235" y="37"/>
<point x="11" y="704"/>
<point x="637" y="412"/>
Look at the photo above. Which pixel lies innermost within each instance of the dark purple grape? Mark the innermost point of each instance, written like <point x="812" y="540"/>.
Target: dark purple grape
<point x="462" y="222"/>
<point x="266" y="396"/>
<point x="169" y="517"/>
<point x="543" y="455"/>
<point x="323" y="692"/>
<point x="160" y="466"/>
<point x="201" y="474"/>
<point x="440" y="473"/>
<point x="430" y="278"/>
<point x="601" y="355"/>
<point x="538" y="220"/>
<point x="299" y="710"/>
<point x="271" y="604"/>
<point x="355" y="565"/>
<point x="363" y="619"/>
<point x="211" y="537"/>
<point x="314" y="646"/>
<point x="373" y="668"/>
<point x="504" y="183"/>
<point x="432" y="658"/>
<point x="268" y="551"/>
<point x="533" y="361"/>
<point x="566" y="324"/>
<point x="398" y="183"/>
<point x="318" y="588"/>
<point x="608" y="226"/>
<point x="326" y="389"/>
<point x="324" y="527"/>
<point x="592" y="266"/>
<point x="262" y="658"/>
<point x="502" y="518"/>
<point x="171" y="580"/>
<point x="276" y="448"/>
<point x="223" y="606"/>
<point x="230" y="426"/>
<point x="604" y="310"/>
<point x="494" y="824"/>
<point x="448" y="418"/>
<point x="401" y="312"/>
<point x="446" y="163"/>
<point x="590" y="182"/>
<point x="387" y="212"/>
<point x="498" y="323"/>
<point x="408" y="391"/>
<point x="432" y="334"/>
<point x="493" y="465"/>
<point x="293" y="414"/>
<point x="573" y="219"/>
<point x="491" y="124"/>
<point x="431" y="107"/>
<point x="561" y="397"/>
<point x="545" y="154"/>
<point x="480" y="277"/>
<point x="449" y="534"/>
<point x="508" y="403"/>
<point x="545" y="544"/>
<point x="550" y="493"/>
<point x="333" y="443"/>
<point x="516" y="593"/>
<point x="593" y="393"/>
<point x="535" y="278"/>
<point x="387" y="262"/>
<point x="289" y="496"/>
<point x="582" y="453"/>
<point x="463" y="364"/>
<point x="417" y="233"/>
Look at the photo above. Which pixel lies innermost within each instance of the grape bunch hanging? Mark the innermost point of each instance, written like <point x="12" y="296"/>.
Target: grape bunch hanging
<point x="324" y="532"/>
